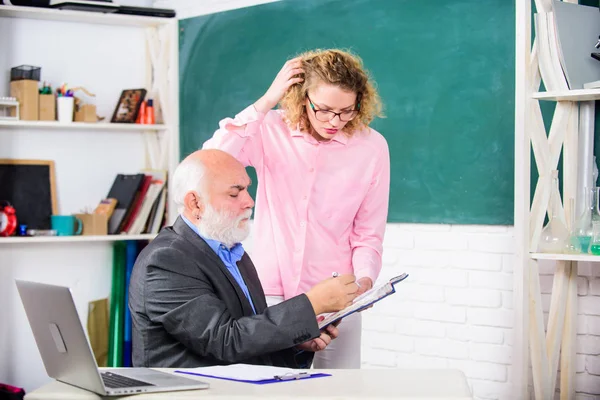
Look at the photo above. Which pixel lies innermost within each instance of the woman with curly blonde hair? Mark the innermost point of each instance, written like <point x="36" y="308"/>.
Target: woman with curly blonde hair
<point x="323" y="182"/>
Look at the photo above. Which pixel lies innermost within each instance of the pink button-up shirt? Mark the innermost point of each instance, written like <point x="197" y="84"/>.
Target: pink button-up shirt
<point x="321" y="207"/>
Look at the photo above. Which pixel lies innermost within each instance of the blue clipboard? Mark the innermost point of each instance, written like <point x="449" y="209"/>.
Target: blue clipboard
<point x="288" y="377"/>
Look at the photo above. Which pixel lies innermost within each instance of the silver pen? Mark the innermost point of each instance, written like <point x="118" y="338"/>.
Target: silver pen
<point x="291" y="376"/>
<point x="336" y="274"/>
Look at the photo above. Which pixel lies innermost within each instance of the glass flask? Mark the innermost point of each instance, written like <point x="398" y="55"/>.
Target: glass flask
<point x="555" y="234"/>
<point x="572" y="246"/>
<point x="583" y="225"/>
<point x="595" y="242"/>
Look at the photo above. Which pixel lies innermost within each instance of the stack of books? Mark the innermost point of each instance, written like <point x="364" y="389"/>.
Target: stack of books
<point x="138" y="202"/>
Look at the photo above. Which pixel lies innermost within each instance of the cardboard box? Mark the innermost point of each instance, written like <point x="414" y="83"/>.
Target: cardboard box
<point x="47" y="107"/>
<point x="94" y="224"/>
<point x="26" y="93"/>
<point x="86" y="113"/>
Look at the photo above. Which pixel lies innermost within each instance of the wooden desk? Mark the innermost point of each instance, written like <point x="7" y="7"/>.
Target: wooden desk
<point x="344" y="384"/>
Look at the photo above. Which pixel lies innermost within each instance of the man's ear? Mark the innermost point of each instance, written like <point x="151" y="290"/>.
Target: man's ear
<point x="194" y="204"/>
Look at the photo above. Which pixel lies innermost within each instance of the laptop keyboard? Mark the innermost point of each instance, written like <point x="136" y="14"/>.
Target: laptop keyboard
<point x="115" y="381"/>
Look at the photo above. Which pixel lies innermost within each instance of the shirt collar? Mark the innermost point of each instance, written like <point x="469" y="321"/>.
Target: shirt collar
<point x="237" y="251"/>
<point x="341" y="137"/>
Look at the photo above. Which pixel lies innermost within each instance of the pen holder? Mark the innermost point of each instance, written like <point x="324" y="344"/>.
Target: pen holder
<point x="64" y="108"/>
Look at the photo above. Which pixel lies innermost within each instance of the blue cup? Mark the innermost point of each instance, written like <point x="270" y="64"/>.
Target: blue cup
<point x="66" y="225"/>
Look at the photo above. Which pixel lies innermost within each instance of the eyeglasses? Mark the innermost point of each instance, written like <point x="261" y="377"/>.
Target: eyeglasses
<point x="326" y="116"/>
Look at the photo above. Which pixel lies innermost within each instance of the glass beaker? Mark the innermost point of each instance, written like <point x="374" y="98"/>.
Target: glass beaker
<point x="555" y="234"/>
<point x="583" y="225"/>
<point x="572" y="246"/>
<point x="595" y="242"/>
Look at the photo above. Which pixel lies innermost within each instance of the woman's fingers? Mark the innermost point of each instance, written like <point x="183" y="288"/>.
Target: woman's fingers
<point x="294" y="81"/>
<point x="294" y="71"/>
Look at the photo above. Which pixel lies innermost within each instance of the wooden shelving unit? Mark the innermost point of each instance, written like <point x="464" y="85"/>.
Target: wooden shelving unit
<point x="72" y="239"/>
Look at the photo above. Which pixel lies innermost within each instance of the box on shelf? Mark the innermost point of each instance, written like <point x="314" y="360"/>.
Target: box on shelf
<point x="94" y="224"/>
<point x="86" y="113"/>
<point x="47" y="107"/>
<point x="27" y="94"/>
<point x="85" y="107"/>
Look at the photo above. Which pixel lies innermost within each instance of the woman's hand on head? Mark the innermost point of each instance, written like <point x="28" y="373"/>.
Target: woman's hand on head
<point x="286" y="77"/>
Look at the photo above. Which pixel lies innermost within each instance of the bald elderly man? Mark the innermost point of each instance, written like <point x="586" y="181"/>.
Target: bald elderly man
<point x="195" y="296"/>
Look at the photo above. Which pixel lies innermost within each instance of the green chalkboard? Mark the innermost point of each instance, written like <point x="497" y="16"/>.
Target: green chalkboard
<point x="445" y="72"/>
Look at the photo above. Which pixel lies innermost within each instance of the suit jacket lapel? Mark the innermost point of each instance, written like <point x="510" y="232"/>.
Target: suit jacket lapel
<point x="182" y="229"/>
<point x="248" y="272"/>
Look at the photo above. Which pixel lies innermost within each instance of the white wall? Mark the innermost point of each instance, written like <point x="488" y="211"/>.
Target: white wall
<point x="455" y="309"/>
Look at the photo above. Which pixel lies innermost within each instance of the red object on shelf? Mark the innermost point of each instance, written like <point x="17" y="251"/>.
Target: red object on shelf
<point x="148" y="117"/>
<point x="141" y="114"/>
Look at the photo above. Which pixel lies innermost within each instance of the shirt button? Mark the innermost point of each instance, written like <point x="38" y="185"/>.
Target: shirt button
<point x="305" y="197"/>
<point x="302" y="224"/>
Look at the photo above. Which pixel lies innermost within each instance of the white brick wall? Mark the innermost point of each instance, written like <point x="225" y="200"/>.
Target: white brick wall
<point x="455" y="309"/>
<point x="587" y="363"/>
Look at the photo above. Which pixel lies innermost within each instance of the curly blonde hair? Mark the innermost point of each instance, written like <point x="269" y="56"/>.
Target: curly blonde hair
<point x="339" y="68"/>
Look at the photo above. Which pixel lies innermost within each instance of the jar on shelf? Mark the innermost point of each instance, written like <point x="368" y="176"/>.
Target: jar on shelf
<point x="555" y="234"/>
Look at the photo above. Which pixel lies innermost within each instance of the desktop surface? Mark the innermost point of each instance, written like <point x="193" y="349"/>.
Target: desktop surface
<point x="343" y="384"/>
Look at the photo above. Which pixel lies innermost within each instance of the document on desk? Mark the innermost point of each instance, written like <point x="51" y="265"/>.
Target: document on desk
<point x="257" y="374"/>
<point x="372" y="296"/>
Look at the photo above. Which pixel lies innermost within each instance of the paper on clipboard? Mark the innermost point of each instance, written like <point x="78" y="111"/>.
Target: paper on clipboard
<point x="369" y="297"/>
<point x="259" y="374"/>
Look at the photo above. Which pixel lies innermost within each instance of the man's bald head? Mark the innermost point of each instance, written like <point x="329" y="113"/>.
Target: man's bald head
<point x="214" y="161"/>
<point x="198" y="171"/>
<point x="210" y="188"/>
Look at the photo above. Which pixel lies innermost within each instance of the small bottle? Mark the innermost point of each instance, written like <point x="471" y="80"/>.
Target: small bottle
<point x="141" y="114"/>
<point x="555" y="234"/>
<point x="148" y="117"/>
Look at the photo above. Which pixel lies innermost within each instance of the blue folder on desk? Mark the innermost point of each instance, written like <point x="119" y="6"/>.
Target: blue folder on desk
<point x="256" y="374"/>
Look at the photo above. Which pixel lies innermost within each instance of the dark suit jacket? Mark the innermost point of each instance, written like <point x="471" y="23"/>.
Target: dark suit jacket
<point x="187" y="310"/>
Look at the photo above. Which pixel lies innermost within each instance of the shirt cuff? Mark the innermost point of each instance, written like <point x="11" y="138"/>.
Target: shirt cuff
<point x="245" y="117"/>
<point x="366" y="263"/>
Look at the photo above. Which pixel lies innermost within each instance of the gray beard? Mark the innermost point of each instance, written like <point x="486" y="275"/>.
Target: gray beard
<point x="223" y="227"/>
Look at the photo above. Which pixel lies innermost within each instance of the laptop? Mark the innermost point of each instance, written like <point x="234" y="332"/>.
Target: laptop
<point x="67" y="354"/>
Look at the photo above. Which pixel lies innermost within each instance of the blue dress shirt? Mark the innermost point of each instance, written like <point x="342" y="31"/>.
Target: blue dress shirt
<point x="230" y="257"/>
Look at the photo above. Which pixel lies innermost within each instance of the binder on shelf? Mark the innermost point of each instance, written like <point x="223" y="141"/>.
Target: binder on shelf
<point x="255" y="374"/>
<point x="124" y="189"/>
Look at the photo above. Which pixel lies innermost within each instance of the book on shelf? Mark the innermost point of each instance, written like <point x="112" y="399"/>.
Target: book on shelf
<point x="149" y="203"/>
<point x="141" y="200"/>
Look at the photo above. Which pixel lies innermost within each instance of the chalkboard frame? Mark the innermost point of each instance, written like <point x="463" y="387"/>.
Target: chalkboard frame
<point x="51" y="182"/>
